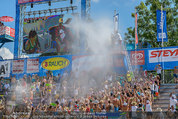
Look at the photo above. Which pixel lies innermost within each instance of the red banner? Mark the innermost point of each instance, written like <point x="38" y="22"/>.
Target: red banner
<point x="18" y="67"/>
<point x="32" y="65"/>
<point x="138" y="57"/>
<point x="136" y="35"/>
<point x="164" y="55"/>
<point x="27" y="1"/>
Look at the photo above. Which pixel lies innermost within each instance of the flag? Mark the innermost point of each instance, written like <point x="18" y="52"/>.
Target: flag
<point x="136" y="35"/>
<point x="160" y="22"/>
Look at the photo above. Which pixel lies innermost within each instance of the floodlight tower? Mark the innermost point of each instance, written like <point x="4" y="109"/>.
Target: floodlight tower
<point x="22" y="11"/>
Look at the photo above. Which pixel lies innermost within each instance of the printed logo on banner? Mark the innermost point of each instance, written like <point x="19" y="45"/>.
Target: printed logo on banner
<point x="137" y="57"/>
<point x="4" y="68"/>
<point x="18" y="67"/>
<point x="55" y="63"/>
<point x="165" y="55"/>
<point x="32" y="65"/>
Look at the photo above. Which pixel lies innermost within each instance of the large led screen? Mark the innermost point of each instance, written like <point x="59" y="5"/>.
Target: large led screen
<point x="47" y="35"/>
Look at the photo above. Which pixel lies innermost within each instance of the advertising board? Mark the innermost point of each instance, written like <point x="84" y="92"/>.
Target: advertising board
<point x="18" y="66"/>
<point x="5" y="68"/>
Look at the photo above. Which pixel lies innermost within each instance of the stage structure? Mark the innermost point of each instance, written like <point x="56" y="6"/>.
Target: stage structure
<point x="37" y="22"/>
<point x="6" y="35"/>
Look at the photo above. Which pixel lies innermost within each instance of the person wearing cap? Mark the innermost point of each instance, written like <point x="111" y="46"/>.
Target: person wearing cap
<point x="32" y="45"/>
<point x="148" y="109"/>
<point x="173" y="101"/>
<point x="159" y="114"/>
<point x="61" y="35"/>
<point x="175" y="74"/>
<point x="134" y="109"/>
<point x="158" y="69"/>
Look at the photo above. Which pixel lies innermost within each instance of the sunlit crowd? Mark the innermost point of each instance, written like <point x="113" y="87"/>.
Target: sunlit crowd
<point x="63" y="94"/>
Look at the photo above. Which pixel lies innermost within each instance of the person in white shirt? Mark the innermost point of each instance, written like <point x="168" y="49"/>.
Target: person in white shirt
<point x="158" y="69"/>
<point x="156" y="89"/>
<point x="148" y="109"/>
<point x="173" y="101"/>
<point x="152" y="90"/>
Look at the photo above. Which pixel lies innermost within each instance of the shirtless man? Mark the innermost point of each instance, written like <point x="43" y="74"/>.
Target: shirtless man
<point x="115" y="102"/>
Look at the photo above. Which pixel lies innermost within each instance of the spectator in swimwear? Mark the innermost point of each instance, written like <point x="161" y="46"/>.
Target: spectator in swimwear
<point x="32" y="45"/>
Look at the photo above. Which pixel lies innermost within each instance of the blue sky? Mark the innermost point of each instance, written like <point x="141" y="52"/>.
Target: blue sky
<point x="99" y="9"/>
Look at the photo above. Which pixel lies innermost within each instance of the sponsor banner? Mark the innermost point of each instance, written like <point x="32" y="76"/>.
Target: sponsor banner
<point x="163" y="55"/>
<point x="18" y="67"/>
<point x="55" y="63"/>
<point x="136" y="34"/>
<point x="5" y="68"/>
<point x="130" y="46"/>
<point x="138" y="57"/>
<point x="12" y="32"/>
<point x="32" y="65"/>
<point x="2" y="30"/>
<point x="160" y="23"/>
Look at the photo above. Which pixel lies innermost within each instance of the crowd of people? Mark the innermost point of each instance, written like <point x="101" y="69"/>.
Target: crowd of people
<point x="49" y="95"/>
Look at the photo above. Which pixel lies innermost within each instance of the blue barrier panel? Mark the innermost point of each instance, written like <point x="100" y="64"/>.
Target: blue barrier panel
<point x="167" y="57"/>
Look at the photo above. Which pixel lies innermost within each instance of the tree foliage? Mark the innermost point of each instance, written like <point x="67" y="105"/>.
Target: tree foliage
<point x="147" y="28"/>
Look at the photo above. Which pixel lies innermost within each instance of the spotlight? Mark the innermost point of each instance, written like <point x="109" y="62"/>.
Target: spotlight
<point x="49" y="3"/>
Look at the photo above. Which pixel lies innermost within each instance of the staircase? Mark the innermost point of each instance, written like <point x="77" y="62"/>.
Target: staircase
<point x="163" y="101"/>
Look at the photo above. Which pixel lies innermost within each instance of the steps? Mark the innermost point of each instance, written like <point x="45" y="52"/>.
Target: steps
<point x="163" y="101"/>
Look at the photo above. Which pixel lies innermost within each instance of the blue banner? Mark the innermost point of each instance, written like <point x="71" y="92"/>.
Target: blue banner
<point x="159" y="26"/>
<point x="130" y="46"/>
